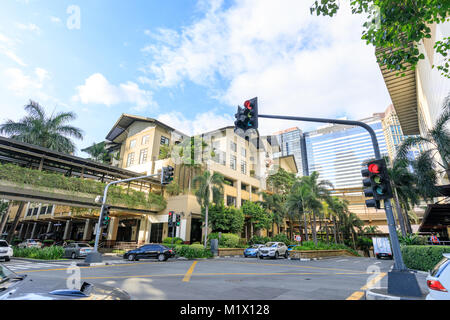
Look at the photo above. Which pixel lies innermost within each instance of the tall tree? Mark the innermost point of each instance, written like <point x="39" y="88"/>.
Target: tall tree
<point x="52" y="132"/>
<point x="259" y="217"/>
<point x="98" y="152"/>
<point x="209" y="185"/>
<point x="397" y="26"/>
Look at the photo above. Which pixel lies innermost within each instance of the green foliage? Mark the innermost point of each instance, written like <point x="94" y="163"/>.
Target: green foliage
<point x="116" y="194"/>
<point x="281" y="182"/>
<point x="282" y="238"/>
<point x="173" y="188"/>
<point x="226" y="240"/>
<point x="193" y="251"/>
<point x="412" y="239"/>
<point x="398" y="27"/>
<point x="224" y="219"/>
<point x="364" y="244"/>
<point x="309" y="245"/>
<point x="46" y="253"/>
<point x="423" y="258"/>
<point x="176" y="240"/>
<point x="259" y="240"/>
<point x="260" y="218"/>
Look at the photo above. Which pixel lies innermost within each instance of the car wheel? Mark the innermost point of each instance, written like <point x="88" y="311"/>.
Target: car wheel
<point x="131" y="257"/>
<point x="276" y="255"/>
<point x="261" y="257"/>
<point x="286" y="254"/>
<point x="161" y="257"/>
<point x="7" y="259"/>
<point x="73" y="256"/>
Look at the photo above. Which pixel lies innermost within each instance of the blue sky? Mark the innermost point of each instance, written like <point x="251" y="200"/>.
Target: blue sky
<point x="188" y="63"/>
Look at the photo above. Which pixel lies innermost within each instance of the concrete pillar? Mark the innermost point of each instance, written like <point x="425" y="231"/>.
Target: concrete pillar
<point x="112" y="229"/>
<point x="27" y="232"/>
<point x="67" y="230"/>
<point x="20" y="231"/>
<point x="4" y="219"/>
<point x="238" y="197"/>
<point x="39" y="211"/>
<point x="49" y="228"/>
<point x="33" y="232"/>
<point x="87" y="230"/>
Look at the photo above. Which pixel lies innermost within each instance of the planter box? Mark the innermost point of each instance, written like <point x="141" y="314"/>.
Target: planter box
<point x="310" y="254"/>
<point x="230" y="252"/>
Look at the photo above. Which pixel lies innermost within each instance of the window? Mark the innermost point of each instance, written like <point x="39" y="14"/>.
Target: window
<point x="143" y="156"/>
<point x="243" y="167"/>
<point x="244" y="152"/>
<point x="145" y="139"/>
<point x="132" y="144"/>
<point x="233" y="162"/>
<point x="130" y="160"/>
<point x="233" y="146"/>
<point x="231" y="201"/>
<point x="164" y="140"/>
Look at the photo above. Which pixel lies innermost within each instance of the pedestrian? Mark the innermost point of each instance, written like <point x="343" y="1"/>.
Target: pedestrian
<point x="434" y="239"/>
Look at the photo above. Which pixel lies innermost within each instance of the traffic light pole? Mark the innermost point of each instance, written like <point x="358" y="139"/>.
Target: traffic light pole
<point x="95" y="256"/>
<point x="400" y="280"/>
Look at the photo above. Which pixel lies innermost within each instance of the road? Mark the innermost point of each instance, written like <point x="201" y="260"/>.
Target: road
<point x="343" y="278"/>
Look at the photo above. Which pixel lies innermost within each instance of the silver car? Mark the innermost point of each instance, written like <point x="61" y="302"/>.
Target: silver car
<point x="273" y="250"/>
<point x="77" y="250"/>
<point x="30" y="243"/>
<point x="438" y="280"/>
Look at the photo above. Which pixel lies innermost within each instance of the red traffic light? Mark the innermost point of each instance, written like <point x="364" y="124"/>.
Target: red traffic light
<point x="248" y="105"/>
<point x="374" y="168"/>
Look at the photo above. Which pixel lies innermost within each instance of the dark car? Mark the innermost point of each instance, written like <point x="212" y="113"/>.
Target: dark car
<point x="149" y="251"/>
<point x="22" y="287"/>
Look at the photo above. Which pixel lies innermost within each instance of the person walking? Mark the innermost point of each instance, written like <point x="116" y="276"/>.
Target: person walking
<point x="434" y="239"/>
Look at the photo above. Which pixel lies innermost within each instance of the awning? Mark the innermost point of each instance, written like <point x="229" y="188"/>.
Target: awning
<point x="436" y="217"/>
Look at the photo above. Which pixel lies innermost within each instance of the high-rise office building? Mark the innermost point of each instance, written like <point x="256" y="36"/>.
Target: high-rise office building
<point x="292" y="142"/>
<point x="338" y="151"/>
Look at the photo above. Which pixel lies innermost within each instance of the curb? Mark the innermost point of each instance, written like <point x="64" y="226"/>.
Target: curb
<point x="382" y="295"/>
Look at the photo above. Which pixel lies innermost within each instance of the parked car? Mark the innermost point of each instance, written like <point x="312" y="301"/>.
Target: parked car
<point x="23" y="287"/>
<point x="77" y="250"/>
<point x="273" y="250"/>
<point x="30" y="243"/>
<point x="438" y="281"/>
<point x="6" y="251"/>
<point x="382" y="248"/>
<point x="148" y="251"/>
<point x="253" y="251"/>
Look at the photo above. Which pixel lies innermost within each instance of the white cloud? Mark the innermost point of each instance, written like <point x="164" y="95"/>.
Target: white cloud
<point x="202" y="122"/>
<point x="7" y="48"/>
<point x="98" y="90"/>
<point x="296" y="63"/>
<point x="29" y="27"/>
<point x="22" y="84"/>
<point x="55" y="20"/>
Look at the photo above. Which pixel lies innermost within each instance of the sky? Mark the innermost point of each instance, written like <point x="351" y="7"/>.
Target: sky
<point x="187" y="63"/>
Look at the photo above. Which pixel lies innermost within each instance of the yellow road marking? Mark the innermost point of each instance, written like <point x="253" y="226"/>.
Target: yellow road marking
<point x="188" y="275"/>
<point x="357" y="295"/>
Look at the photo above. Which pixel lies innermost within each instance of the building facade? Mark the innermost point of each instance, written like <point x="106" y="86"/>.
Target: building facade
<point x="292" y="142"/>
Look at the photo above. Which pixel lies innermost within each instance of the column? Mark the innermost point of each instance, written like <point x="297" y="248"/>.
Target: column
<point x="33" y="231"/>
<point x="112" y="229"/>
<point x="67" y="230"/>
<point x="21" y="231"/>
<point x="49" y="228"/>
<point x="238" y="197"/>
<point x="27" y="232"/>
<point x="4" y="219"/>
<point x="87" y="230"/>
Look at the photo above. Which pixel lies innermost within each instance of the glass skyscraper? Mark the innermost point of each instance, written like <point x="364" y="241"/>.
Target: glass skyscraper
<point x="337" y="152"/>
<point x="291" y="142"/>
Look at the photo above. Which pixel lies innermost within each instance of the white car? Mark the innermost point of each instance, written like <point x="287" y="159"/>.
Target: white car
<point x="6" y="251"/>
<point x="30" y="243"/>
<point x="438" y="281"/>
<point x="273" y="250"/>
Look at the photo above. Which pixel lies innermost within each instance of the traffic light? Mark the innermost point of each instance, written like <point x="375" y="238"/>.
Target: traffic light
<point x="170" y="220"/>
<point x="178" y="220"/>
<point x="247" y="117"/>
<point x="167" y="175"/>
<point x="377" y="182"/>
<point x="105" y="217"/>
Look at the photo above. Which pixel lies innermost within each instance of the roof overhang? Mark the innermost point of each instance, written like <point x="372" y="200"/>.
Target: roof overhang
<point x="403" y="92"/>
<point x="436" y="217"/>
<point x="288" y="163"/>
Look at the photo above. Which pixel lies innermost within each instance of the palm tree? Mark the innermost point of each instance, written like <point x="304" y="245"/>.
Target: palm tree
<point x="274" y="203"/>
<point x="296" y="202"/>
<point x="437" y="141"/>
<point x="336" y="208"/>
<point x="98" y="152"/>
<point x="208" y="184"/>
<point x="52" y="132"/>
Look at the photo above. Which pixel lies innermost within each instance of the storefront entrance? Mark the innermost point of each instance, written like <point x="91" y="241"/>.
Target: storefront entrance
<point x="125" y="230"/>
<point x="156" y="232"/>
<point x="196" y="230"/>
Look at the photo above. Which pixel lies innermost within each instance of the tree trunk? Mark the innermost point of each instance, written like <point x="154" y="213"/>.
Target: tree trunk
<point x="326" y="230"/>
<point x="206" y="225"/>
<point x="335" y="229"/>
<point x="10" y="236"/>
<point x="314" y="231"/>
<point x="305" y="223"/>
<point x="401" y="221"/>
<point x="408" y="222"/>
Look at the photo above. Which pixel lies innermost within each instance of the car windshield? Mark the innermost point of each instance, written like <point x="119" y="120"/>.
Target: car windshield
<point x="3" y="244"/>
<point x="437" y="270"/>
<point x="164" y="247"/>
<point x="271" y="244"/>
<point x="6" y="274"/>
<point x="84" y="245"/>
<point x="256" y="246"/>
<point x="32" y="241"/>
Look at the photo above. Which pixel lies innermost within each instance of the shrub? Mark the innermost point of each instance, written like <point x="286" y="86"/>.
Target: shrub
<point x="193" y="251"/>
<point x="227" y="240"/>
<point x="309" y="245"/>
<point x="412" y="240"/>
<point x="258" y="240"/>
<point x="176" y="240"/>
<point x="47" y="253"/>
<point x="423" y="258"/>
<point x="282" y="238"/>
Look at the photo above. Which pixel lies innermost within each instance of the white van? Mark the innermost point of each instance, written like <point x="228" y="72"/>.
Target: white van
<point x="382" y="248"/>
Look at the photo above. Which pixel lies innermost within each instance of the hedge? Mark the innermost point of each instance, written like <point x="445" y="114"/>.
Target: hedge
<point x="176" y="240"/>
<point x="193" y="251"/>
<point x="47" y="253"/>
<point x="423" y="258"/>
